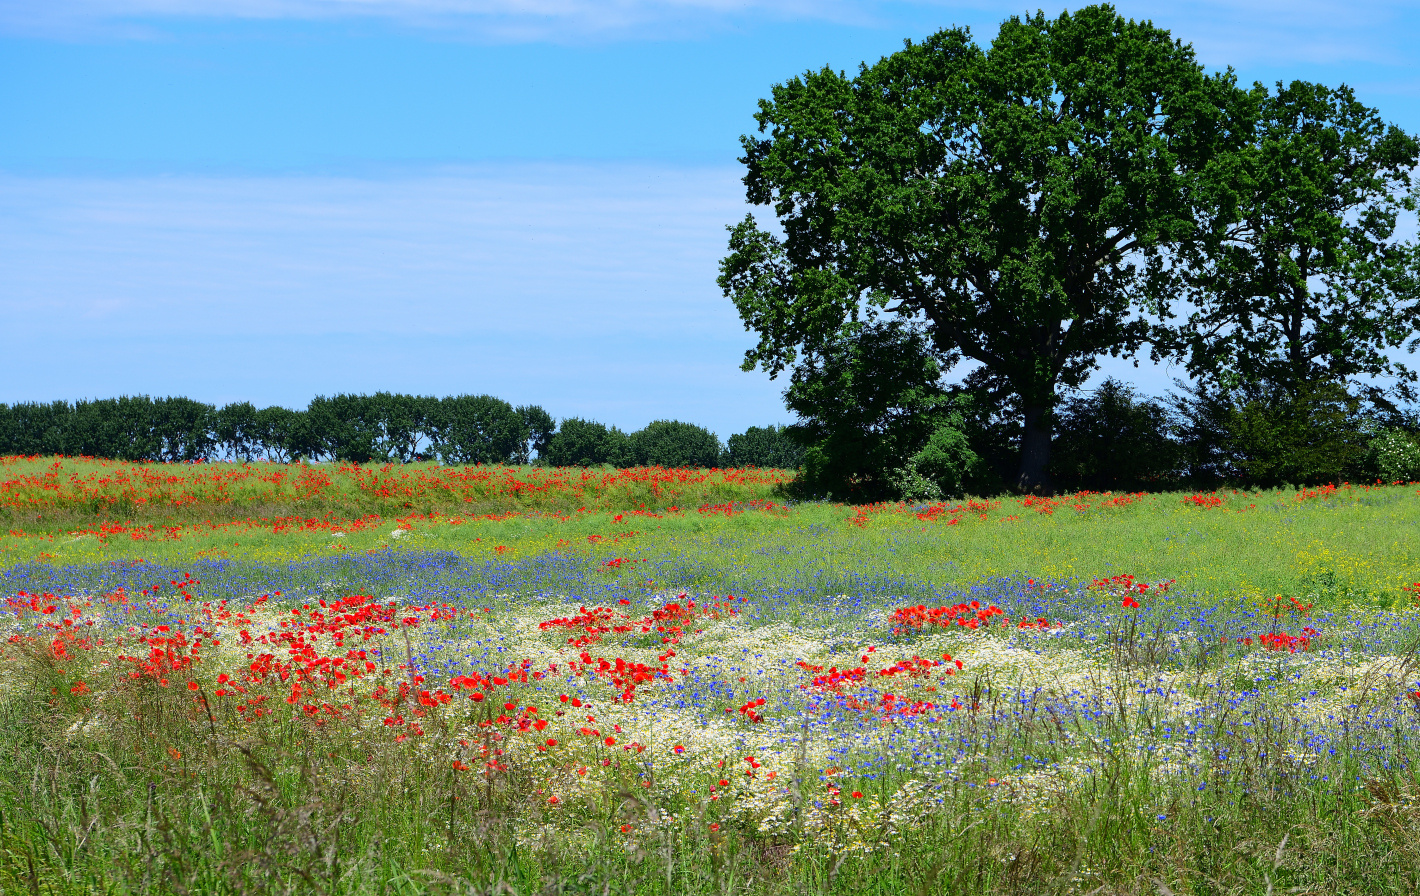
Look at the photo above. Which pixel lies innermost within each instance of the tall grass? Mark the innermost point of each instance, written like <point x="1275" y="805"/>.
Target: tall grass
<point x="57" y="492"/>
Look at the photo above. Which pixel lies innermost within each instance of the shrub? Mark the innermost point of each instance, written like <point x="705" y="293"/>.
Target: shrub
<point x="764" y="446"/>
<point x="1265" y="436"/>
<point x="1393" y="456"/>
<point x="586" y="443"/>
<point x="941" y="469"/>
<point x="1112" y="439"/>
<point x="671" y="443"/>
<point x="867" y="404"/>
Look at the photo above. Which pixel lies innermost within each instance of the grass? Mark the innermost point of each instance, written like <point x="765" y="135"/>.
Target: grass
<point x="46" y="494"/>
<point x="1112" y="749"/>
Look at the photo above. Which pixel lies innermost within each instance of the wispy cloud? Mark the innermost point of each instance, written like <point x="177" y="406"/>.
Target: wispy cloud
<point x="1237" y="32"/>
<point x="1272" y="32"/>
<point x="587" y="288"/>
<point x="500" y="20"/>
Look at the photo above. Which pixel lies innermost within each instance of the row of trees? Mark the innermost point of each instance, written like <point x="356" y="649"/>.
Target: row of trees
<point x="1080" y="188"/>
<point x="384" y="427"/>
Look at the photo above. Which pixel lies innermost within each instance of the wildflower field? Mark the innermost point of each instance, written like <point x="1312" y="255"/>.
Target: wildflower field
<point x="1170" y="693"/>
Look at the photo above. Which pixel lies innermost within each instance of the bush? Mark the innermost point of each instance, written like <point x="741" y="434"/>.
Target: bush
<point x="673" y="444"/>
<point x="1268" y="436"/>
<point x="867" y="404"/>
<point x="1393" y="456"/>
<point x="1111" y="439"/>
<point x="586" y="443"/>
<point x="942" y="468"/>
<point x="764" y="446"/>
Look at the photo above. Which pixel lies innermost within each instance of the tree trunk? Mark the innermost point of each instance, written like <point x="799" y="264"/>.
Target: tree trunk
<point x="1035" y="450"/>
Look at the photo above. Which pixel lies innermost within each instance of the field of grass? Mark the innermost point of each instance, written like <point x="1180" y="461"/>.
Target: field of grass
<point x="1094" y="693"/>
<point x="47" y="493"/>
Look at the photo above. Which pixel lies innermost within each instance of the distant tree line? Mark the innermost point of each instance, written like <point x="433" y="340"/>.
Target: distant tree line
<point x="384" y="427"/>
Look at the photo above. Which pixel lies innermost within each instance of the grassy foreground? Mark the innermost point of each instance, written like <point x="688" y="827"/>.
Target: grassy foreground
<point x="1109" y="694"/>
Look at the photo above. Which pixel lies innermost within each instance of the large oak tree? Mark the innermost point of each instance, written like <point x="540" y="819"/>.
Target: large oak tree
<point x="1024" y="202"/>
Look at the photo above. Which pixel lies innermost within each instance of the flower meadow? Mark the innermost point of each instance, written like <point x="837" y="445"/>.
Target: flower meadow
<point x="764" y="698"/>
<point x="34" y="490"/>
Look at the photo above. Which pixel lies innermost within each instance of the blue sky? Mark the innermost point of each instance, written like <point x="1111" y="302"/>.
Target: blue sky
<point x="272" y="199"/>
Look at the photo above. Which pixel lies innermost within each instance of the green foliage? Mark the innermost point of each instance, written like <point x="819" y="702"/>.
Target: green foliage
<point x="540" y="428"/>
<point x="1112" y="439"/>
<point x="477" y="429"/>
<point x="283" y="434"/>
<point x="1298" y="278"/>
<point x="671" y="443"/>
<point x="381" y="428"/>
<point x="1309" y="436"/>
<point x="867" y="404"/>
<point x="344" y="428"/>
<point x="942" y="468"/>
<point x="403" y="421"/>
<point x="234" y="427"/>
<point x="183" y="428"/>
<point x="1269" y="436"/>
<point x="136" y="428"/>
<point x="1023" y="200"/>
<point x="764" y="446"/>
<point x="586" y="443"/>
<point x="35" y="428"/>
<point x="1393" y="455"/>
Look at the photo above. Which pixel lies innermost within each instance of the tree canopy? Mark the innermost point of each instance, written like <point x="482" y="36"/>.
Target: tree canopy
<point x="1300" y="281"/>
<point x="1022" y="202"/>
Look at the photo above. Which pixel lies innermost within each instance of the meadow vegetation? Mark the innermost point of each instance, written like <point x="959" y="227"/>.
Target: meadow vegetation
<point x="1113" y="693"/>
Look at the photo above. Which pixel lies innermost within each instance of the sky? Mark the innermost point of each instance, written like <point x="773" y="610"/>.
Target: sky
<point x="268" y="200"/>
